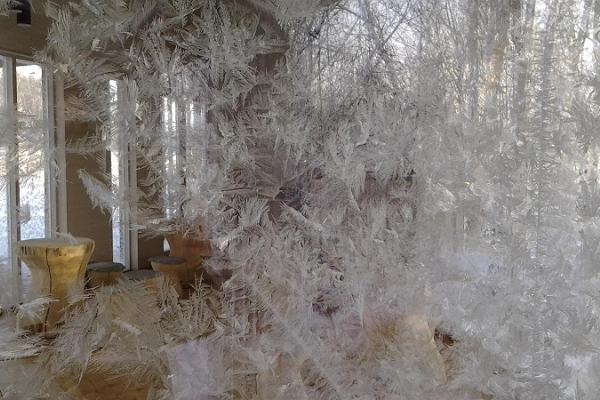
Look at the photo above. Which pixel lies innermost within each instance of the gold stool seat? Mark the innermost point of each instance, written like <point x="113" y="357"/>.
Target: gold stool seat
<point x="57" y="271"/>
<point x="104" y="273"/>
<point x="171" y="268"/>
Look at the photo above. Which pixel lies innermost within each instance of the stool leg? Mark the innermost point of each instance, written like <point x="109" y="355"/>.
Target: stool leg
<point x="172" y="277"/>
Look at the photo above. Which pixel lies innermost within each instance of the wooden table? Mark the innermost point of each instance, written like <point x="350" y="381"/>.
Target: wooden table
<point x="57" y="270"/>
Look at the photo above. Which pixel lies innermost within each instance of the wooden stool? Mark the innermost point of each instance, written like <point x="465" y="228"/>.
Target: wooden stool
<point x="57" y="271"/>
<point x="149" y="277"/>
<point x="194" y="248"/>
<point x="104" y="273"/>
<point x="172" y="268"/>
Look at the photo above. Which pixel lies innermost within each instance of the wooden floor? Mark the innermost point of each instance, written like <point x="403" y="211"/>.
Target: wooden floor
<point x="93" y="386"/>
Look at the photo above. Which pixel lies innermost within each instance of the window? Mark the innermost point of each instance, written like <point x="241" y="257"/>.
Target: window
<point x="183" y="128"/>
<point x="33" y="196"/>
<point x="172" y="156"/>
<point x="27" y="172"/>
<point x="4" y="236"/>
<point x="123" y="179"/>
<point x="185" y="144"/>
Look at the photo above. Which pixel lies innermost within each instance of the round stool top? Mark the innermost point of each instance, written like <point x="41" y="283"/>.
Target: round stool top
<point x="167" y="260"/>
<point x="141" y="274"/>
<point x="106" y="266"/>
<point x="55" y="243"/>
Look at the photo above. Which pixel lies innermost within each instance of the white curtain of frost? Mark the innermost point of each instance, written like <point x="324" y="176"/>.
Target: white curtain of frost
<point x="404" y="158"/>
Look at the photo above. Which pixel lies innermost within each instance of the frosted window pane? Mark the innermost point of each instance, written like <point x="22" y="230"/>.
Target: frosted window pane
<point x="32" y="196"/>
<point x="171" y="152"/>
<point x="3" y="191"/>
<point x="4" y="248"/>
<point x="115" y="167"/>
<point x="2" y="83"/>
<point x="116" y="215"/>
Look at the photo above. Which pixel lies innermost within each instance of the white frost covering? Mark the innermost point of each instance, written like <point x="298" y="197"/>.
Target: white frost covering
<point x="196" y="369"/>
<point x="368" y="171"/>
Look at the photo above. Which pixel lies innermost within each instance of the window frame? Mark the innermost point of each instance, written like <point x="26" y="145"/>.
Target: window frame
<point x="54" y="163"/>
<point x="123" y="179"/>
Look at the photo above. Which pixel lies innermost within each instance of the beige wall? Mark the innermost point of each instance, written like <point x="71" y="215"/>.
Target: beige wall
<point x="147" y="246"/>
<point x="82" y="219"/>
<point x="24" y="40"/>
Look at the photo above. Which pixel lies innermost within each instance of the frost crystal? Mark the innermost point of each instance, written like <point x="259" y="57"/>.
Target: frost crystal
<point x="405" y="194"/>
